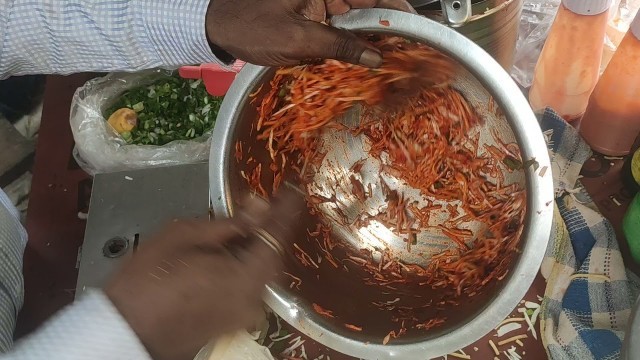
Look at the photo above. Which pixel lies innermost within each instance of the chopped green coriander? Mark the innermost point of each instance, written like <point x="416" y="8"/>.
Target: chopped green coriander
<point x="512" y="163"/>
<point x="169" y="109"/>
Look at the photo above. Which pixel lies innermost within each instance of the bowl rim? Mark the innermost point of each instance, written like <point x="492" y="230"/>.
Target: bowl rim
<point x="529" y="136"/>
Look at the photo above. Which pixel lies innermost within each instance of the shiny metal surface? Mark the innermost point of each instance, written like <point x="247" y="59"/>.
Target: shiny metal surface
<point x="483" y="77"/>
<point x="130" y="206"/>
<point x="493" y="25"/>
<point x="456" y="12"/>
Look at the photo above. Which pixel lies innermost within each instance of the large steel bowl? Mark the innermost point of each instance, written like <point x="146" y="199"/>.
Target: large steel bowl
<point x="481" y="79"/>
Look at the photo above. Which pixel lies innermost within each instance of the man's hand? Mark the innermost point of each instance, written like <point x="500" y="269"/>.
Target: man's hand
<point x="288" y="32"/>
<point x="198" y="280"/>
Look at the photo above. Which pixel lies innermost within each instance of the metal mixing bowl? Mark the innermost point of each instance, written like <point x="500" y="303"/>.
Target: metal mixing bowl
<point x="481" y="79"/>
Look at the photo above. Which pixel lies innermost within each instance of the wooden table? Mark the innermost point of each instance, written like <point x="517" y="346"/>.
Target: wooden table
<point x="602" y="179"/>
<point x="61" y="190"/>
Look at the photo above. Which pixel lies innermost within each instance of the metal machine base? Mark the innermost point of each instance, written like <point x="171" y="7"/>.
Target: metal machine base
<point x="127" y="207"/>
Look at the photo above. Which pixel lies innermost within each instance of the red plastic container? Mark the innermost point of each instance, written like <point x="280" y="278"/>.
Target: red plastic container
<point x="612" y="120"/>
<point x="569" y="64"/>
<point x="217" y="79"/>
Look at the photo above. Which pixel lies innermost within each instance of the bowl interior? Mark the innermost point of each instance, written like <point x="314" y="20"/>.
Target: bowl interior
<point x="343" y="290"/>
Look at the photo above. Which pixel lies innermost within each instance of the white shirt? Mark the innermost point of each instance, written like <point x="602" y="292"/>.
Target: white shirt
<point x="68" y="36"/>
<point x="89" y="329"/>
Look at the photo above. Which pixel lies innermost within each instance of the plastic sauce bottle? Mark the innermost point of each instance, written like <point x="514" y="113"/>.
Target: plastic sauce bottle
<point x="612" y="120"/>
<point x="631" y="228"/>
<point x="569" y="65"/>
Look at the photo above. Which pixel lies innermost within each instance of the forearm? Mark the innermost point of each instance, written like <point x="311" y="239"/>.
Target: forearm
<point x="67" y="36"/>
<point x="91" y="328"/>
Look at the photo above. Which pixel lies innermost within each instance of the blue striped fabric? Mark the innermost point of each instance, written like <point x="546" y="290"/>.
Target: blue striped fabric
<point x="68" y="36"/>
<point x="589" y="294"/>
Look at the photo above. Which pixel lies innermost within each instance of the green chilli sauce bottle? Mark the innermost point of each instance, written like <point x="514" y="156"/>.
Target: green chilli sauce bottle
<point x="631" y="228"/>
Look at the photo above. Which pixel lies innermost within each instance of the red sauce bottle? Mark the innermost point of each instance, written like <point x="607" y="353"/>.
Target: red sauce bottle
<point x="612" y="120"/>
<point x="569" y="65"/>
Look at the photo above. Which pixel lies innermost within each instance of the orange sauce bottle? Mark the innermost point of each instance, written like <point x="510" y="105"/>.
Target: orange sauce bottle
<point x="611" y="123"/>
<point x="569" y="65"/>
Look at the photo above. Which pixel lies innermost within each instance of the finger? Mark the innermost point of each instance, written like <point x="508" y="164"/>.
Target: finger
<point x="261" y="262"/>
<point x="207" y="235"/>
<point x="253" y="211"/>
<point x="283" y="223"/>
<point x="287" y="208"/>
<point x="337" y="7"/>
<point x="180" y="235"/>
<point x="332" y="43"/>
<point x="314" y="10"/>
<point x="255" y="221"/>
<point x="252" y="313"/>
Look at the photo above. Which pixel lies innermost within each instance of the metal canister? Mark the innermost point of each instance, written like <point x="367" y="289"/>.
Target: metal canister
<point x="492" y="24"/>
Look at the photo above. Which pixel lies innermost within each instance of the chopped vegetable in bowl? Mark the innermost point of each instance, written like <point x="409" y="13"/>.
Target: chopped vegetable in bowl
<point x="169" y="109"/>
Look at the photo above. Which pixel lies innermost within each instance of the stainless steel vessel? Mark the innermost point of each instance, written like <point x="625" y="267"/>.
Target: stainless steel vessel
<point x="481" y="79"/>
<point x="492" y="24"/>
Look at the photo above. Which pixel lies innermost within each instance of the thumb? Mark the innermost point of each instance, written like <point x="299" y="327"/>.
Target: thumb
<point x="329" y="42"/>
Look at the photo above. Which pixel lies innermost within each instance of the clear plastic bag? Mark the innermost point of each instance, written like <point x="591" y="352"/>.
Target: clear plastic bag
<point x="535" y="22"/>
<point x="621" y="17"/>
<point x="99" y="149"/>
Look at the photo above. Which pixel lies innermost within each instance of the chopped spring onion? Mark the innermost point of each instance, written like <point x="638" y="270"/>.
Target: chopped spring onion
<point x="169" y="109"/>
<point x="507" y="328"/>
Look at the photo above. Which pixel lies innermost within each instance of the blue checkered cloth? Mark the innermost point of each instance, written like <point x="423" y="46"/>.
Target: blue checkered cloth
<point x="589" y="294"/>
<point x="69" y="36"/>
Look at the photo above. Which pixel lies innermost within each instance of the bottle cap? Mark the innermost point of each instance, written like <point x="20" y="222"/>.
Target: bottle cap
<point x="635" y="26"/>
<point x="587" y="7"/>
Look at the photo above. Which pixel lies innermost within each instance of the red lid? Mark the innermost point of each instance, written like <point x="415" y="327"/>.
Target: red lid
<point x="217" y="79"/>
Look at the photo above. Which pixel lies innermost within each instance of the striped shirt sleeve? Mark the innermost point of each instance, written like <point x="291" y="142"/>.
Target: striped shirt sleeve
<point x="68" y="36"/>
<point x="13" y="239"/>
